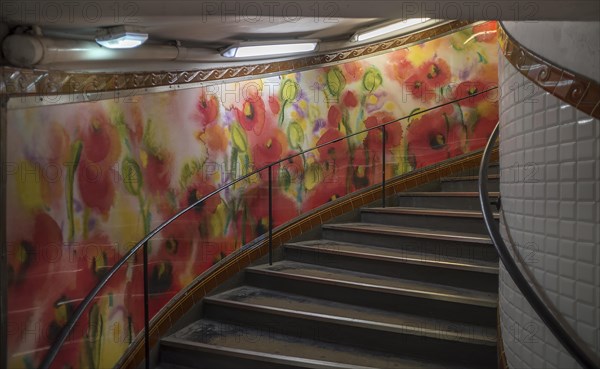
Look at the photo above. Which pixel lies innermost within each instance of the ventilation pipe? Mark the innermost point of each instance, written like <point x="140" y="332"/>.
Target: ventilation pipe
<point x="25" y="50"/>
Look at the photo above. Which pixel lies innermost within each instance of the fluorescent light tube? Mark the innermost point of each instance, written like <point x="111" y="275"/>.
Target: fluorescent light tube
<point x="387" y="28"/>
<point x="121" y="37"/>
<point x="258" y="49"/>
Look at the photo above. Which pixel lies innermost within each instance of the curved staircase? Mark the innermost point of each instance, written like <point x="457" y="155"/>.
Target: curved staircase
<point x="413" y="285"/>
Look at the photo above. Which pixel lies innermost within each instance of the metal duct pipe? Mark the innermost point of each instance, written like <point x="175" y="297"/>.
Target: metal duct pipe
<point x="28" y="51"/>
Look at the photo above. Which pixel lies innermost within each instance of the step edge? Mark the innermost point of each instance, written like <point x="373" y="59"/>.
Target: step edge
<point x="445" y="194"/>
<point x="443" y="335"/>
<point x="409" y="233"/>
<point x="481" y="302"/>
<point x="299" y="361"/>
<point x="399" y="259"/>
<point x="468" y="178"/>
<point x="451" y="213"/>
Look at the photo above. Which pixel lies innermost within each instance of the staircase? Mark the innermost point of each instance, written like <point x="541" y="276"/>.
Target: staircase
<point x="409" y="286"/>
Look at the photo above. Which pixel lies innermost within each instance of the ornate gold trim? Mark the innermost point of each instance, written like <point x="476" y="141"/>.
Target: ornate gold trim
<point x="574" y="89"/>
<point x="33" y="82"/>
<point x="192" y="295"/>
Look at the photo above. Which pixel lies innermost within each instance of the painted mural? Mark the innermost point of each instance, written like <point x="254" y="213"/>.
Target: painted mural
<point x="87" y="181"/>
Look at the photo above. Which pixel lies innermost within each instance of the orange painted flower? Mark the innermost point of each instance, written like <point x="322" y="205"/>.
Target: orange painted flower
<point x="215" y="138"/>
<point x="398" y="66"/>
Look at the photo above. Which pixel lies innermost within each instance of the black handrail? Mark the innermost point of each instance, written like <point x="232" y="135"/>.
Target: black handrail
<point x="547" y="316"/>
<point x="70" y="325"/>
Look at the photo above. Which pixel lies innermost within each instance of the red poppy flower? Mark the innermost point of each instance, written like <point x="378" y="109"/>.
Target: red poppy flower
<point x="199" y="188"/>
<point x="334" y="117"/>
<point x="252" y="114"/>
<point x="289" y="171"/>
<point x="157" y="173"/>
<point x="268" y="150"/>
<point x="393" y="132"/>
<point x="434" y="137"/>
<point x="436" y="73"/>
<point x="328" y="190"/>
<point x="54" y="281"/>
<point x="485" y="32"/>
<point x="456" y="139"/>
<point x="428" y="78"/>
<point x="350" y="99"/>
<point x="208" y="107"/>
<point x="101" y="144"/>
<point x="361" y="169"/>
<point x="336" y="150"/>
<point x="101" y="149"/>
<point x="416" y="86"/>
<point x="481" y="131"/>
<point x="353" y="71"/>
<point x="96" y="186"/>
<point x="274" y="104"/>
<point x="473" y="89"/>
<point x="96" y="255"/>
<point x="284" y="208"/>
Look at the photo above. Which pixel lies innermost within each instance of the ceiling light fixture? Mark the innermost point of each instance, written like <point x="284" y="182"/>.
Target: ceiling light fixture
<point x="386" y="28"/>
<point x="120" y="37"/>
<point x="269" y="48"/>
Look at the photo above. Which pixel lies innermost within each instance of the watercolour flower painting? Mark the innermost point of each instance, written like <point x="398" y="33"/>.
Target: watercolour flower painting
<point x="91" y="179"/>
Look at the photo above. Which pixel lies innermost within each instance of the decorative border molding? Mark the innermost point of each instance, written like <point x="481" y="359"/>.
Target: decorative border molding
<point x="33" y="82"/>
<point x="203" y="285"/>
<point x="574" y="89"/>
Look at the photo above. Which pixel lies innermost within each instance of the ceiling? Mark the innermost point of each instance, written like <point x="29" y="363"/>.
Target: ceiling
<point x="212" y="25"/>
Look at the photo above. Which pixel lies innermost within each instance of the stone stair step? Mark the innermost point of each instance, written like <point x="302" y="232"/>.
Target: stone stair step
<point x="399" y="263"/>
<point x="442" y="244"/>
<point x="414" y="297"/>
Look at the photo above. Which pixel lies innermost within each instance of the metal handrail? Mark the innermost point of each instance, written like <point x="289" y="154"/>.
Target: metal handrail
<point x="548" y="317"/>
<point x="143" y="244"/>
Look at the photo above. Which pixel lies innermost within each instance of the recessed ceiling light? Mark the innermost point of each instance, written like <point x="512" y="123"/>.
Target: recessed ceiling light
<point x="269" y="48"/>
<point x="120" y="37"/>
<point x="383" y="29"/>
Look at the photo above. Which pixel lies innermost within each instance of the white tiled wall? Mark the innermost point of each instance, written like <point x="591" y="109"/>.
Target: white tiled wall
<point x="550" y="186"/>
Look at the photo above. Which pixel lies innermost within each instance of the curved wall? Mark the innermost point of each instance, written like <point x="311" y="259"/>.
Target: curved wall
<point x="550" y="185"/>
